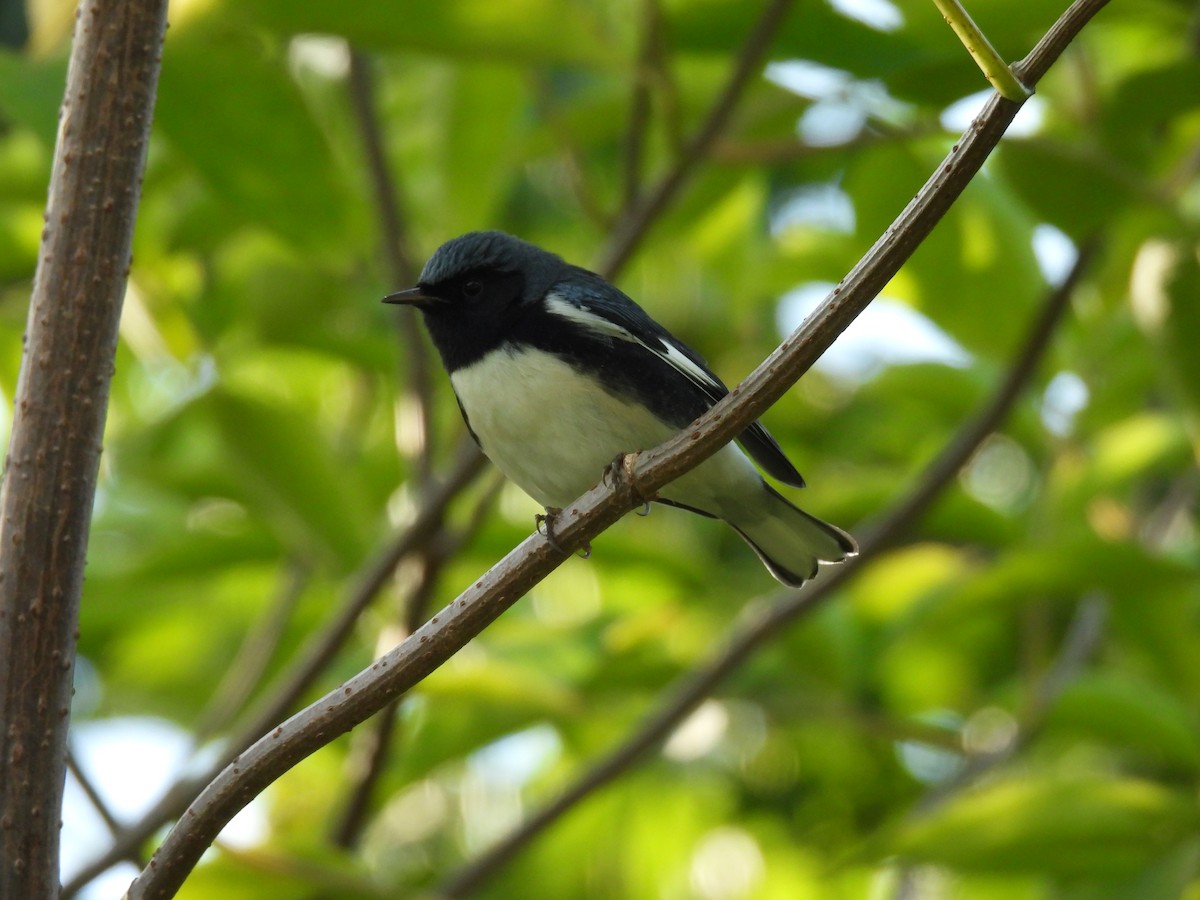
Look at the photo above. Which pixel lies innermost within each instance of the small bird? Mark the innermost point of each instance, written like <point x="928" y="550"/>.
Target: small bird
<point x="557" y="372"/>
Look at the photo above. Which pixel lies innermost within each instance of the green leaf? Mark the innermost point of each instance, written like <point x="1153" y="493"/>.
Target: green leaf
<point x="227" y="104"/>
<point x="481" y="123"/>
<point x="517" y="31"/>
<point x="1071" y="186"/>
<point x="1167" y="303"/>
<point x="1132" y="715"/>
<point x="975" y="276"/>
<point x="284" y="465"/>
<point x="1084" y="826"/>
<point x="31" y="91"/>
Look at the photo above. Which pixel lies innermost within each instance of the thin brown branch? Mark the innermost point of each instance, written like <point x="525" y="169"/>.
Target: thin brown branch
<point x="89" y="790"/>
<point x="444" y="547"/>
<point x="766" y="384"/>
<point x="549" y="111"/>
<point x="632" y="228"/>
<point x="956" y="453"/>
<point x="786" y="608"/>
<point x="397" y="251"/>
<point x="625" y="487"/>
<point x="59" y="412"/>
<point x="1079" y="645"/>
<point x="372" y="748"/>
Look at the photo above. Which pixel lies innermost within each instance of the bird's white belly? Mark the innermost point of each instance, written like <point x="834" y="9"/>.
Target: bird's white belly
<point x="552" y="431"/>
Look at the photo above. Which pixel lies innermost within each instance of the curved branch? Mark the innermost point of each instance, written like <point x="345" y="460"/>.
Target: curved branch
<point x="786" y="608"/>
<point x="639" y="476"/>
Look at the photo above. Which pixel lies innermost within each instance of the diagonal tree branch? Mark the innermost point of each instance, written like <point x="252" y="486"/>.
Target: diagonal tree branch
<point x="784" y="609"/>
<point x="60" y="406"/>
<point x="638" y="476"/>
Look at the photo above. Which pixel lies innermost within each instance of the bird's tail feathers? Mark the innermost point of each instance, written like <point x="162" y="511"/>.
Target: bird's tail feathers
<point x="791" y="543"/>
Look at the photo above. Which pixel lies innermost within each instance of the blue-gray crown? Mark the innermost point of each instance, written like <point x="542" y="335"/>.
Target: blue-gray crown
<point x="499" y="252"/>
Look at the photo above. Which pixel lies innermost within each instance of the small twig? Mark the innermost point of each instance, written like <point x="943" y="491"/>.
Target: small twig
<point x="993" y="66"/>
<point x="253" y="657"/>
<point x="785" y="609"/>
<point x="1083" y="637"/>
<point x="397" y="248"/>
<point x="634" y="145"/>
<point x="98" y="803"/>
<point x="633" y="227"/>
<point x="444" y="548"/>
<point x="325" y="643"/>
<point x="955" y="454"/>
<point x="370" y="757"/>
<point x="371" y="749"/>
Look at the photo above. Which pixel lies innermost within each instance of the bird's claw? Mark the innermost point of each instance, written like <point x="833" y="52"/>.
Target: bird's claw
<point x="620" y="472"/>
<point x="545" y="524"/>
<point x="545" y="527"/>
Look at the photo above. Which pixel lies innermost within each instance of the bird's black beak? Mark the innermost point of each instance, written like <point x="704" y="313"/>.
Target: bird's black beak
<point x="411" y="297"/>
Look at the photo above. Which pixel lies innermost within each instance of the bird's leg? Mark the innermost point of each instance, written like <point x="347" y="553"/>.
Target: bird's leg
<point x="545" y="527"/>
<point x="619" y="472"/>
<point x="545" y="524"/>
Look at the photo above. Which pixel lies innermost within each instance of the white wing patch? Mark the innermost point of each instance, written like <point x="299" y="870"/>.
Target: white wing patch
<point x="597" y="324"/>
<point x="556" y="305"/>
<point x="690" y="369"/>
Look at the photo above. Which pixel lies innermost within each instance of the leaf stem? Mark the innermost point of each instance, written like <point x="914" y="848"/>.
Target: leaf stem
<point x="989" y="61"/>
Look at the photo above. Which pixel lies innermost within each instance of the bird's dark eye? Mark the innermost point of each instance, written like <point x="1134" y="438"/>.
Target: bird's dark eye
<point x="472" y="289"/>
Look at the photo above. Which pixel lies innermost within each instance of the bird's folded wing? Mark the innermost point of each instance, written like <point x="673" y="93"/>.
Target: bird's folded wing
<point x="619" y="317"/>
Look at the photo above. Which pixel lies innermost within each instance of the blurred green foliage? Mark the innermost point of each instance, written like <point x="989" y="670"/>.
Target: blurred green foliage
<point x="260" y="425"/>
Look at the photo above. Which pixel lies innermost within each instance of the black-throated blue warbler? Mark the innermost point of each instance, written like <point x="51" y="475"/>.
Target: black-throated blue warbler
<point x="557" y="372"/>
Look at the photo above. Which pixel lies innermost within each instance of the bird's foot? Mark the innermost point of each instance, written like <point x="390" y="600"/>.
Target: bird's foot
<point x="619" y="473"/>
<point x="545" y="527"/>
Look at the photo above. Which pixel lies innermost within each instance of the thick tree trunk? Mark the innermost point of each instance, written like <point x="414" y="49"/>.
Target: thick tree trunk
<point x="62" y="397"/>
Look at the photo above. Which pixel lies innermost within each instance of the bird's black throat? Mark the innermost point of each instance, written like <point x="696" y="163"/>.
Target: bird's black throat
<point x="464" y="330"/>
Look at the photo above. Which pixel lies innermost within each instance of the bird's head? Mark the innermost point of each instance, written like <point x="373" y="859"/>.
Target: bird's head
<point x="475" y="287"/>
<point x="480" y="275"/>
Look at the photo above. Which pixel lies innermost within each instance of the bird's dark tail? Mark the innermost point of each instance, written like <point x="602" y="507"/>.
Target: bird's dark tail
<point x="791" y="543"/>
